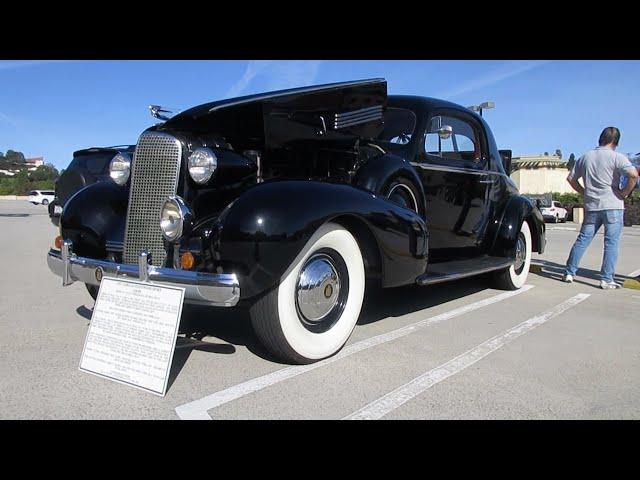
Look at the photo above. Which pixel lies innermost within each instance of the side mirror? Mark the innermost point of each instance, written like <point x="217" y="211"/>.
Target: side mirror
<point x="505" y="155"/>
<point x="445" y="132"/>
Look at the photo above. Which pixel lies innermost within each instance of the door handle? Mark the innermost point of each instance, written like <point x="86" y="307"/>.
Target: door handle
<point x="485" y="181"/>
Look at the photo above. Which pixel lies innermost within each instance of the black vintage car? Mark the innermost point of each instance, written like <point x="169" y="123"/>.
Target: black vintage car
<point x="89" y="166"/>
<point x="291" y="203"/>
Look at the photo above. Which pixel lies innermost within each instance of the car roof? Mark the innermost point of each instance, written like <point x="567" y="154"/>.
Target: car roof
<point x="427" y="103"/>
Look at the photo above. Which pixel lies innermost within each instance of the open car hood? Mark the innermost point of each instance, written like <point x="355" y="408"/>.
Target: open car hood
<point x="326" y="111"/>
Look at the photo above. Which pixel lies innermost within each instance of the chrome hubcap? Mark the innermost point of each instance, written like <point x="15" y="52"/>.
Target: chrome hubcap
<point x="521" y="253"/>
<point x="318" y="288"/>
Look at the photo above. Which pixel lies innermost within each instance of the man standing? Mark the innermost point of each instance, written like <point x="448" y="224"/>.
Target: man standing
<point x="600" y="170"/>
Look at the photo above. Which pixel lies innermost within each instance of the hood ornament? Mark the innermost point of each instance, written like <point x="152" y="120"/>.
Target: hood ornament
<point x="157" y="111"/>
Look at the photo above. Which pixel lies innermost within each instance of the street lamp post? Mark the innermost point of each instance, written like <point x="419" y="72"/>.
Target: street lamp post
<point x="482" y="106"/>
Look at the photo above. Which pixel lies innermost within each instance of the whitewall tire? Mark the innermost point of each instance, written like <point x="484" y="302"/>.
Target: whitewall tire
<point x="515" y="276"/>
<point x="314" y="309"/>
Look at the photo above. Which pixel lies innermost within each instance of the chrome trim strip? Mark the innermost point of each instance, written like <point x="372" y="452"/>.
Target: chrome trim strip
<point x="213" y="289"/>
<point x="114" y="246"/>
<point x="370" y="118"/>
<point x="355" y="117"/>
<point x="441" y="168"/>
<point x="356" y="113"/>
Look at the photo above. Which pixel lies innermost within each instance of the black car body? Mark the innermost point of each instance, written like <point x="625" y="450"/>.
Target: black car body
<point x="89" y="166"/>
<point x="316" y="193"/>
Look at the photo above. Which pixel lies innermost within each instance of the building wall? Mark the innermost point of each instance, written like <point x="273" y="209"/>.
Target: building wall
<point x="541" y="180"/>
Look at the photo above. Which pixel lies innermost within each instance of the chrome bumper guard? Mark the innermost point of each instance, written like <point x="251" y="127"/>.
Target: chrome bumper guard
<point x="214" y="289"/>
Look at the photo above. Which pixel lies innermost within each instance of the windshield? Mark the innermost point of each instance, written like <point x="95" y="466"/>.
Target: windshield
<point x="399" y="126"/>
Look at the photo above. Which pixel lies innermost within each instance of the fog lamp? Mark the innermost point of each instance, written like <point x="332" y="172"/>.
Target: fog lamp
<point x="58" y="242"/>
<point x="187" y="261"/>
<point x="175" y="219"/>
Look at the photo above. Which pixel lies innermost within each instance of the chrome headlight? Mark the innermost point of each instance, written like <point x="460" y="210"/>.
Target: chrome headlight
<point x="202" y="165"/>
<point x="171" y="219"/>
<point x="120" y="168"/>
<point x="176" y="219"/>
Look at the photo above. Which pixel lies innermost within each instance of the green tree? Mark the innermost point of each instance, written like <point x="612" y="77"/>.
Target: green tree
<point x="14" y="157"/>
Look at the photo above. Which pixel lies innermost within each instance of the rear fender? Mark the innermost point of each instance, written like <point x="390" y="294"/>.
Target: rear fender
<point x="517" y="210"/>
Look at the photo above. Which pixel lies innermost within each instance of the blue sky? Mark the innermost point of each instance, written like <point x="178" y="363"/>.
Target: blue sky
<point x="51" y="108"/>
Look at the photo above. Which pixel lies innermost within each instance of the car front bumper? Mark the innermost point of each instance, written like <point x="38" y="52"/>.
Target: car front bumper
<point x="213" y="289"/>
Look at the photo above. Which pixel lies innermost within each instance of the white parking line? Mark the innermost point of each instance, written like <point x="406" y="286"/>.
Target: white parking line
<point x="197" y="410"/>
<point x="388" y="403"/>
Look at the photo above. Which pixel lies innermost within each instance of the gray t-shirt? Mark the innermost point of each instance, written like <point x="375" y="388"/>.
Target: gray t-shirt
<point x="601" y="169"/>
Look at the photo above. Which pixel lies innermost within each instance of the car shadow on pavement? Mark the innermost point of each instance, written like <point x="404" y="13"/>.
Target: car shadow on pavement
<point x="399" y="301"/>
<point x="184" y="347"/>
<point x="231" y="325"/>
<point x="555" y="271"/>
<point x="234" y="325"/>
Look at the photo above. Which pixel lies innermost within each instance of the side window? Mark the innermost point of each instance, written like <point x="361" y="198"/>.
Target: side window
<point x="461" y="145"/>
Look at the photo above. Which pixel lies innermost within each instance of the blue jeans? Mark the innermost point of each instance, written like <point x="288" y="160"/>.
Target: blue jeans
<point x="613" y="222"/>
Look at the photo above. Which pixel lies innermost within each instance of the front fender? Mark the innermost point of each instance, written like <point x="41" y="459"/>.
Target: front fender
<point x="93" y="215"/>
<point x="262" y="232"/>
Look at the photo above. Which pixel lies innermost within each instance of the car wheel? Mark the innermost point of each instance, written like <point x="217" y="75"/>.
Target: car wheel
<point x="514" y="277"/>
<point x="45" y="202"/>
<point x="403" y="192"/>
<point x="93" y="290"/>
<point x="313" y="310"/>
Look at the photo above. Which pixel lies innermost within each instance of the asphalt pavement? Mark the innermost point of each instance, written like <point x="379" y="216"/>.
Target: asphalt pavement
<point x="455" y="351"/>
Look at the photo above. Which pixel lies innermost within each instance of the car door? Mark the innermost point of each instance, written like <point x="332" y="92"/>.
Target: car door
<point x="453" y="171"/>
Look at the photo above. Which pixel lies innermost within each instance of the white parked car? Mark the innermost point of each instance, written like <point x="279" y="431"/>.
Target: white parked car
<point x="554" y="213"/>
<point x="41" y="197"/>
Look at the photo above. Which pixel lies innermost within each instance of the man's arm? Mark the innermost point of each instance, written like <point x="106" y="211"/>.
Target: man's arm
<point x="632" y="179"/>
<point x="576" y="185"/>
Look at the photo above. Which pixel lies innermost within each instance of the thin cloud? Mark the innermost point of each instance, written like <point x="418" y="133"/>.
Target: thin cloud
<point x="510" y="70"/>
<point x="283" y="75"/>
<point x="7" y="119"/>
<point x="253" y="68"/>
<point x="12" y="65"/>
<point x="276" y="75"/>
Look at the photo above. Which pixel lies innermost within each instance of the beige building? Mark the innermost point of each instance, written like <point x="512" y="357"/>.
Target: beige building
<point x="538" y="174"/>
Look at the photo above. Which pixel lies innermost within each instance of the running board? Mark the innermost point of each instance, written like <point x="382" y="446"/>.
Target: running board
<point x="454" y="270"/>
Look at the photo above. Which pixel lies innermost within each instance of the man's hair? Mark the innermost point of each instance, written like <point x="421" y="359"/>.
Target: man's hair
<point x="609" y="135"/>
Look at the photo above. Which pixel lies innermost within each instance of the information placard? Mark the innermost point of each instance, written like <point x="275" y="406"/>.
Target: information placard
<point x="133" y="332"/>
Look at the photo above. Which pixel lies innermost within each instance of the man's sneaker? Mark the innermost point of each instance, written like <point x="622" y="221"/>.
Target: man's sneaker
<point x="608" y="285"/>
<point x="567" y="278"/>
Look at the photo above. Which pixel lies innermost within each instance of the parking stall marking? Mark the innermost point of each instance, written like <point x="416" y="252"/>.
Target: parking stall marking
<point x="401" y="395"/>
<point x="198" y="409"/>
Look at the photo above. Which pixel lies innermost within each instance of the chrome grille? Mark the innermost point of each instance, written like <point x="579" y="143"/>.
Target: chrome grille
<point x="154" y="177"/>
